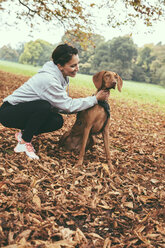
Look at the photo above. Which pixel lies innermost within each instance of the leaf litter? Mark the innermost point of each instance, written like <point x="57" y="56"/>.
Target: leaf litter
<point x="50" y="203"/>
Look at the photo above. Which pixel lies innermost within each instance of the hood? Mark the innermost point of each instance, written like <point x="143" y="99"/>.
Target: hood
<point x="51" y="68"/>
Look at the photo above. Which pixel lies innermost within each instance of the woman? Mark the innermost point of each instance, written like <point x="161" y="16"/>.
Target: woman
<point x="31" y="106"/>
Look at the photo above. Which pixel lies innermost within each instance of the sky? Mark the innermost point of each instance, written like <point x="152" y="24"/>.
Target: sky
<point x="140" y="33"/>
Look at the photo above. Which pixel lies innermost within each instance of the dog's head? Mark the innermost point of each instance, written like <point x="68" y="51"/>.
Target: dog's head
<point x="107" y="80"/>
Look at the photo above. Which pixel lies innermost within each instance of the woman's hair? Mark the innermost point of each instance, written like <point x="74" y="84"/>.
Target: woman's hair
<point x="62" y="54"/>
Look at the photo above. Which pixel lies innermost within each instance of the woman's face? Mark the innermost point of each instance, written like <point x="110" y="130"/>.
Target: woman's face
<point x="70" y="68"/>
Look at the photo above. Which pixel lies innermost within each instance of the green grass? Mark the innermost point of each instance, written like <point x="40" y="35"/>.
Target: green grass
<point x="84" y="82"/>
<point x="131" y="92"/>
<point x="16" y="68"/>
<point x="143" y="93"/>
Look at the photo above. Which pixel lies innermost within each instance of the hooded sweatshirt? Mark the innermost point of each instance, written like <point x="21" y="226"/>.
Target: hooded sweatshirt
<point x="50" y="85"/>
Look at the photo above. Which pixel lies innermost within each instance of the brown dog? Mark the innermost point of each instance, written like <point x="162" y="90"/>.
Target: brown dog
<point x="92" y="121"/>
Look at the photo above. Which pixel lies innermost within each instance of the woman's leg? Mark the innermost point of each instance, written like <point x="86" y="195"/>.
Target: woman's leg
<point x="53" y="123"/>
<point x="33" y="117"/>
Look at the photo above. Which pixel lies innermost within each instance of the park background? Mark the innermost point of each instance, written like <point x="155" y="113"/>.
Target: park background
<point x="123" y="36"/>
<point x="50" y="203"/>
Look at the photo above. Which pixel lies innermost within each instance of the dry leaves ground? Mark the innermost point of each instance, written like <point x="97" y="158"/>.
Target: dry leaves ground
<point x="51" y="204"/>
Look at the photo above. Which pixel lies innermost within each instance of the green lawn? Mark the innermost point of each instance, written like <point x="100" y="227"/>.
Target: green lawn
<point x="131" y="92"/>
<point x="145" y="93"/>
<point x="16" y="68"/>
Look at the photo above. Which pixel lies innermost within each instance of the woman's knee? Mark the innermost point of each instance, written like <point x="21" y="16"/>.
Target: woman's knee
<point x="54" y="123"/>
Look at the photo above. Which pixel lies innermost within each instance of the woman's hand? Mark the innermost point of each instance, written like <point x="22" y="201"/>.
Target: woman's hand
<point x="102" y="95"/>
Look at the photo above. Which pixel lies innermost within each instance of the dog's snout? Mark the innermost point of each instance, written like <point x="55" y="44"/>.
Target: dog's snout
<point x="114" y="84"/>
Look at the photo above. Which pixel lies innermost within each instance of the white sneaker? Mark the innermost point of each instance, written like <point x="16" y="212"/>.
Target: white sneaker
<point x="27" y="148"/>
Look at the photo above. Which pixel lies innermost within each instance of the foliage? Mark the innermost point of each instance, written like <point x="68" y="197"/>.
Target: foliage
<point x="116" y="55"/>
<point x="138" y="73"/>
<point x="36" y="53"/>
<point x="145" y="58"/>
<point x="123" y="49"/>
<point x="92" y="40"/>
<point x="52" y="203"/>
<point x="160" y="75"/>
<point x="120" y="54"/>
<point x="158" y="65"/>
<point x="8" y="53"/>
<point x="67" y="14"/>
<point x="133" y="10"/>
<point x="20" y="48"/>
<point x="143" y="63"/>
<point x="80" y="15"/>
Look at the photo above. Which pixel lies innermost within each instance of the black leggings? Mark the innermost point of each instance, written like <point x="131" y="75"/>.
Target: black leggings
<point x="32" y="118"/>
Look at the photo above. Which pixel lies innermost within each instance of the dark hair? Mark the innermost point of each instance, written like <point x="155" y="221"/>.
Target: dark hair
<point x="63" y="54"/>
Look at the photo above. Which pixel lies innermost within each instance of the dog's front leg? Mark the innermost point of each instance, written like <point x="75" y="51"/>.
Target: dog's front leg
<point x="84" y="142"/>
<point x="105" y="134"/>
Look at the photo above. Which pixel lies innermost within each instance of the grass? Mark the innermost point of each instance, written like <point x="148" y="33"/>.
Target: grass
<point x="16" y="68"/>
<point x="144" y="93"/>
<point x="131" y="92"/>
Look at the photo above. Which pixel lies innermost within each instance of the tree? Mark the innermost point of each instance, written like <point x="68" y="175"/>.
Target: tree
<point x="116" y="55"/>
<point x="79" y="15"/>
<point x="123" y="49"/>
<point x="150" y="64"/>
<point x="132" y="10"/>
<point x="145" y="58"/>
<point x="157" y="66"/>
<point x="68" y="14"/>
<point x="160" y="74"/>
<point x="101" y="56"/>
<point x="8" y="53"/>
<point x="139" y="74"/>
<point x="36" y="53"/>
<point x="143" y="63"/>
<point x="20" y="48"/>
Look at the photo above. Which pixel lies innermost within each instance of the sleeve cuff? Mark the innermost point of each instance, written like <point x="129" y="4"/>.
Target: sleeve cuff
<point x="96" y="102"/>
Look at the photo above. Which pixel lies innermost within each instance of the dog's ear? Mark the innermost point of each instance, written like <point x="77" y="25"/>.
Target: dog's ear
<point x="97" y="79"/>
<point x="119" y="83"/>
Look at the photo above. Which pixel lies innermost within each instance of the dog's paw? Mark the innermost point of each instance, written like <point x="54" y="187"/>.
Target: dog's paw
<point x="78" y="163"/>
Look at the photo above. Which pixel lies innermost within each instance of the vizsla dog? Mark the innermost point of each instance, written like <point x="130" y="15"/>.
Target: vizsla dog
<point x="93" y="121"/>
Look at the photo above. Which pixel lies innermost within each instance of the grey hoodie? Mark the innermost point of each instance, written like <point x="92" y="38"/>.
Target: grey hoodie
<point x="50" y="85"/>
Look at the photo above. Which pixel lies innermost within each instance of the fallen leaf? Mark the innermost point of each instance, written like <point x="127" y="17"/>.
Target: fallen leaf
<point x="37" y="201"/>
<point x="107" y="243"/>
